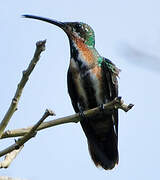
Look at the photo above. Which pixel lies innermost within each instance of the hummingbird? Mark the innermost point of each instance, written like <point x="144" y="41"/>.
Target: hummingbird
<point x="92" y="82"/>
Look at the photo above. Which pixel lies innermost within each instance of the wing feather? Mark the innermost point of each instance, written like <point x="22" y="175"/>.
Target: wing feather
<point x="110" y="74"/>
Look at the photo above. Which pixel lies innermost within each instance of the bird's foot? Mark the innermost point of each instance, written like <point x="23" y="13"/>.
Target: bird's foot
<point x="82" y="116"/>
<point x="101" y="108"/>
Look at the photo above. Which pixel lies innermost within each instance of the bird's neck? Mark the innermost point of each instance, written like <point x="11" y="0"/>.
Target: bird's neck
<point x="84" y="56"/>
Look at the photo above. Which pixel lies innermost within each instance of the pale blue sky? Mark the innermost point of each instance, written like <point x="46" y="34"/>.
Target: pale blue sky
<point x="61" y="152"/>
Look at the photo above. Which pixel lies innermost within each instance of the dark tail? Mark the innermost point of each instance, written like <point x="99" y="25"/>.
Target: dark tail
<point x="107" y="155"/>
<point x="102" y="142"/>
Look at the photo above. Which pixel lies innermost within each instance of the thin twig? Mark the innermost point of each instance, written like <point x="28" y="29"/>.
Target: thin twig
<point x="31" y="133"/>
<point x="40" y="46"/>
<point x="109" y="107"/>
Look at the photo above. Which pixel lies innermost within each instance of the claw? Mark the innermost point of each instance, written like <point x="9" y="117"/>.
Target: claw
<point x="101" y="108"/>
<point x="82" y="116"/>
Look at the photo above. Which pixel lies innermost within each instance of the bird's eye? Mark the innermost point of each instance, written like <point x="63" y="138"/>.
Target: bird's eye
<point x="78" y="26"/>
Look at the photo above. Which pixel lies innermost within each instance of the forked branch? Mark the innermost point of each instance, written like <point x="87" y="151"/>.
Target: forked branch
<point x="31" y="133"/>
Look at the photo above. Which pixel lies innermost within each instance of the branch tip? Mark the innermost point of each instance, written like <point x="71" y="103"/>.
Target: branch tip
<point x="50" y="112"/>
<point x="41" y="44"/>
<point x="130" y="106"/>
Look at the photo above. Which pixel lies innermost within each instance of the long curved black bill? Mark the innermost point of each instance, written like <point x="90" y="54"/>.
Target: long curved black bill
<point x="57" y="23"/>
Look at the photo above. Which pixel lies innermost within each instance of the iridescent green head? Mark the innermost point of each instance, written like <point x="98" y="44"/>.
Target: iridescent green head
<point x="82" y="31"/>
<point x="73" y="29"/>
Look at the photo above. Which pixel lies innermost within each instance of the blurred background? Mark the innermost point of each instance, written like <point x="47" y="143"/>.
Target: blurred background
<point x="128" y="33"/>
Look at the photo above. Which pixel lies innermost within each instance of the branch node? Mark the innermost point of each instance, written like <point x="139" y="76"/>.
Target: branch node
<point x="17" y="147"/>
<point x="24" y="72"/>
<point x="14" y="100"/>
<point x="16" y="109"/>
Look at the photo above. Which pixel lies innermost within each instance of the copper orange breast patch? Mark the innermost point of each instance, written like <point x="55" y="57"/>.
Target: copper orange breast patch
<point x="86" y="52"/>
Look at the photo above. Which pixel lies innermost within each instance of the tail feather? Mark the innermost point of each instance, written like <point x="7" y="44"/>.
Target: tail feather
<point x="107" y="147"/>
<point x="102" y="142"/>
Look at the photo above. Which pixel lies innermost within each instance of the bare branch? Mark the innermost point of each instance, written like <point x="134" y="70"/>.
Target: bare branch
<point x="10" y="157"/>
<point x="108" y="108"/>
<point x="40" y="46"/>
<point x="9" y="178"/>
<point x="31" y="133"/>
